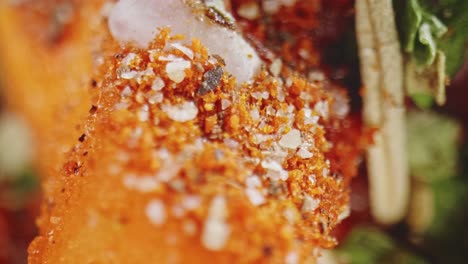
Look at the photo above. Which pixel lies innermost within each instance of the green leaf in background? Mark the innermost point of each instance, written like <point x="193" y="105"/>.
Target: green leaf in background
<point x="454" y="13"/>
<point x="26" y="183"/>
<point x="367" y="245"/>
<point x="432" y="145"/>
<point x="411" y="19"/>
<point x="419" y="32"/>
<point x="427" y="28"/>
<point x="449" y="194"/>
<point x="424" y="85"/>
<point x="425" y="46"/>
<point x="422" y="100"/>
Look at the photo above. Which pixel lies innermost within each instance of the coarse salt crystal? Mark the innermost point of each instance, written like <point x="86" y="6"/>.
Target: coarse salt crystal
<point x="181" y="113"/>
<point x="253" y="181"/>
<point x="128" y="60"/>
<point x="254" y="114"/>
<point x="215" y="230"/>
<point x="270" y="110"/>
<point x="176" y="70"/>
<point x="309" y="204"/>
<point x="274" y="170"/>
<point x="158" y="84"/>
<point x="325" y="172"/>
<point x="255" y="196"/>
<point x="170" y="57"/>
<point x="142" y="184"/>
<point x="275" y="67"/>
<point x="292" y="258"/>
<point x="344" y="214"/>
<point x="290" y="215"/>
<point x="281" y="96"/>
<point x="156" y="212"/>
<point x="225" y="104"/>
<point x="308" y="118"/>
<point x="191" y="202"/>
<point x="152" y="54"/>
<point x="316" y="76"/>
<point x="121" y="105"/>
<point x="322" y="108"/>
<point x="143" y="114"/>
<point x="304" y="53"/>
<point x="148" y="72"/>
<point x="231" y="143"/>
<point x="186" y="51"/>
<point x="261" y="95"/>
<point x="260" y="138"/>
<point x="291" y="140"/>
<point x="127" y="91"/>
<point x="156" y="98"/>
<point x="128" y="75"/>
<point x="313" y="179"/>
<point x="304" y="153"/>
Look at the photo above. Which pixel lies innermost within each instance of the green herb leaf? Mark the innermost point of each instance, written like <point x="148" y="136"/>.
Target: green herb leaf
<point x="432" y="145"/>
<point x="424" y="84"/>
<point x="369" y="245"/>
<point x="419" y="31"/>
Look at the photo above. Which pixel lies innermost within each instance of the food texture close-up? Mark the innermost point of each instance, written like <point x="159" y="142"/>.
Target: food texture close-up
<point x="233" y="131"/>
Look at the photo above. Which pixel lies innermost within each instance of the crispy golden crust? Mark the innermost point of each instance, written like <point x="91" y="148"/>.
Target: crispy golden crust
<point x="142" y="182"/>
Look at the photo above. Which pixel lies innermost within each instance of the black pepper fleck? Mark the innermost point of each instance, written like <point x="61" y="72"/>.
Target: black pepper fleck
<point x="93" y="109"/>
<point x="267" y="251"/>
<point x="211" y="80"/>
<point x="82" y="138"/>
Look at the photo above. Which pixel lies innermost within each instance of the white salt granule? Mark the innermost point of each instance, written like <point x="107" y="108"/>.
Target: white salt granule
<point x="181" y="113"/>
<point x="156" y="212"/>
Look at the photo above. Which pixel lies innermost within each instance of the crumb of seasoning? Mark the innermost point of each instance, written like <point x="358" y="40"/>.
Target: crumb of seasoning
<point x="156" y="212"/>
<point x="211" y="80"/>
<point x="264" y="146"/>
<point x="216" y="230"/>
